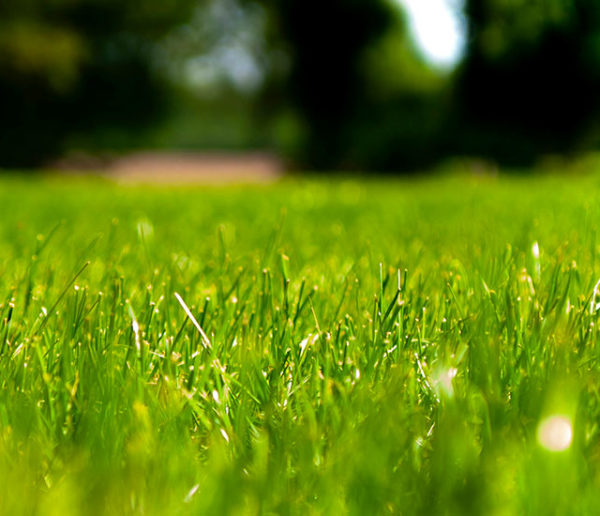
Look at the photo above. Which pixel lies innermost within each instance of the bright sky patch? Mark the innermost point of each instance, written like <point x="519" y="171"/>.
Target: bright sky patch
<point x="438" y="29"/>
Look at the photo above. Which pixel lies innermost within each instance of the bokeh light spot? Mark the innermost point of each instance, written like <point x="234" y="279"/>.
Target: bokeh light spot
<point x="555" y="433"/>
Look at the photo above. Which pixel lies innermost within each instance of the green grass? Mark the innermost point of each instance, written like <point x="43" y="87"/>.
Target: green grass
<point x="371" y="347"/>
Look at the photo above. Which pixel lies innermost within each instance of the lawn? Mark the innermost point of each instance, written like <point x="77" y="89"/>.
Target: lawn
<point x="315" y="346"/>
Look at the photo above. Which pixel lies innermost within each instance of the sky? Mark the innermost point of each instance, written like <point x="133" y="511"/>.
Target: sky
<point x="438" y="29"/>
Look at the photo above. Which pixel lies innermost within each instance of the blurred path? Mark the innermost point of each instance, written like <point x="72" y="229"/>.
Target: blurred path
<point x="184" y="167"/>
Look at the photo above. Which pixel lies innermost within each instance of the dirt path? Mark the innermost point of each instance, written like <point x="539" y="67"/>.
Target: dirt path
<point x="184" y="167"/>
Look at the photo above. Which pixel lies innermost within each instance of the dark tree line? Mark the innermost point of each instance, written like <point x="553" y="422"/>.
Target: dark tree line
<point x="527" y="85"/>
<point x="530" y="80"/>
<point x="71" y="66"/>
<point x="325" y="82"/>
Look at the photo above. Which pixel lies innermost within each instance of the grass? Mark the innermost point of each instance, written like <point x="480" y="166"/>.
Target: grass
<point x="417" y="347"/>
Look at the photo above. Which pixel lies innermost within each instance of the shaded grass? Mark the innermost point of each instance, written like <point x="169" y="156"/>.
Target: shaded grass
<point x="371" y="347"/>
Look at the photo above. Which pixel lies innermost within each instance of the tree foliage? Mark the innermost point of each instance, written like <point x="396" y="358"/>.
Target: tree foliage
<point x="325" y="43"/>
<point x="530" y="80"/>
<point x="72" y="65"/>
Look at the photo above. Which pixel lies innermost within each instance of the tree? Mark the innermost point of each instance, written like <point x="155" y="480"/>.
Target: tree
<point x="530" y="79"/>
<point x="68" y="66"/>
<point x="325" y="43"/>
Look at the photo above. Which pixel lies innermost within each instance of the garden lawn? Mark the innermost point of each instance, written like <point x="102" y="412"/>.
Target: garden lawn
<point x="310" y="347"/>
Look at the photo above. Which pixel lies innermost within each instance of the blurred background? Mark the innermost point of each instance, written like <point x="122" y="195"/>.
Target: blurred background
<point x="353" y="85"/>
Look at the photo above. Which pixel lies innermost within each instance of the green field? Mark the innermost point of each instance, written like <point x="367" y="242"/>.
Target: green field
<point x="370" y="346"/>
